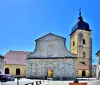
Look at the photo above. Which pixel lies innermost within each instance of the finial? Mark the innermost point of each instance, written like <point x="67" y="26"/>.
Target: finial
<point x="80" y="17"/>
<point x="80" y="12"/>
<point x="50" y="30"/>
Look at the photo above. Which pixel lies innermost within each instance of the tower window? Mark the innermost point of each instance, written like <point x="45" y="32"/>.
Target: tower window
<point x="83" y="41"/>
<point x="73" y="43"/>
<point x="84" y="54"/>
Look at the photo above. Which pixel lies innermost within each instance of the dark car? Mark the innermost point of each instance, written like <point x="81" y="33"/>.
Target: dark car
<point x="10" y="78"/>
<point x="3" y="77"/>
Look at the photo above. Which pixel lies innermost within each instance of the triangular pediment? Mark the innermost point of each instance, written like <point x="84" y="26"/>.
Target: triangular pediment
<point x="51" y="46"/>
<point x="49" y="36"/>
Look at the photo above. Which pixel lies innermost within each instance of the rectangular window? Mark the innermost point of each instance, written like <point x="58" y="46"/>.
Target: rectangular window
<point x="83" y="41"/>
<point x="73" y="43"/>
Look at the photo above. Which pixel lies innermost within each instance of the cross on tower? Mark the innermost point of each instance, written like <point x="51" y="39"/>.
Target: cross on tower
<point x="80" y="11"/>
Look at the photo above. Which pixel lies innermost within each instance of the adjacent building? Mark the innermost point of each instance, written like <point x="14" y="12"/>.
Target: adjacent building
<point x="94" y="70"/>
<point x="98" y="65"/>
<point x="1" y="64"/>
<point x="51" y="59"/>
<point x="15" y="63"/>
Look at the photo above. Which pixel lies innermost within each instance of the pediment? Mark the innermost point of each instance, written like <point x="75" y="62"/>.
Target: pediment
<point x="50" y="36"/>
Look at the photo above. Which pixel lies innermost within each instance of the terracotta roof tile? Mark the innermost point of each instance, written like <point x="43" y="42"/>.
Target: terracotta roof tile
<point x="81" y="66"/>
<point x="16" y="57"/>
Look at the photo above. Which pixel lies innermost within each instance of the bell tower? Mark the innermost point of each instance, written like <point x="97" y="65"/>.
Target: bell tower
<point x="81" y="42"/>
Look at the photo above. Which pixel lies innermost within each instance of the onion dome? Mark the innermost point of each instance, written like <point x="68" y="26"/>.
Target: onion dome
<point x="81" y="25"/>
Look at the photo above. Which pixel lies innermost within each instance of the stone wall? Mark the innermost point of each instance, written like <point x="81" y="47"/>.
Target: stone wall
<point x="37" y="68"/>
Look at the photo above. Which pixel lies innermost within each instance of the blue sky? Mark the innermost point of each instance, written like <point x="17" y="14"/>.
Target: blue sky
<point x="23" y="21"/>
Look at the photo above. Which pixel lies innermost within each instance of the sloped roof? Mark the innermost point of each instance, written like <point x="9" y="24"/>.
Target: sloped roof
<point x="81" y="66"/>
<point x="49" y="34"/>
<point x="98" y="53"/>
<point x="16" y="57"/>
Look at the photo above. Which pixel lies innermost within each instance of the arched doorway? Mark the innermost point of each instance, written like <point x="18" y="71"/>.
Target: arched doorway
<point x="17" y="71"/>
<point x="83" y="73"/>
<point x="6" y="70"/>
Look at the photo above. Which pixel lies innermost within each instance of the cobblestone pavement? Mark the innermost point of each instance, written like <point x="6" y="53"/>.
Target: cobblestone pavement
<point x="24" y="81"/>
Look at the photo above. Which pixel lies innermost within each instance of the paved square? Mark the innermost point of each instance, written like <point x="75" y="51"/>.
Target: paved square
<point x="24" y="81"/>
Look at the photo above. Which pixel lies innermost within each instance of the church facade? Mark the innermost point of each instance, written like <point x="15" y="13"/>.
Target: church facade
<point x="51" y="59"/>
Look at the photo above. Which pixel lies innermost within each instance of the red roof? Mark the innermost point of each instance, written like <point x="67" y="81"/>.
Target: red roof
<point x="81" y="66"/>
<point x="16" y="57"/>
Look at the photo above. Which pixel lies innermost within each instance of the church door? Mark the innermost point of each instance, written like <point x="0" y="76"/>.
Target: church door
<point x="50" y="73"/>
<point x="83" y="73"/>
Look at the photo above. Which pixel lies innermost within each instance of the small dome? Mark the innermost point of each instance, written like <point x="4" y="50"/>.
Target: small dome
<point x="80" y="25"/>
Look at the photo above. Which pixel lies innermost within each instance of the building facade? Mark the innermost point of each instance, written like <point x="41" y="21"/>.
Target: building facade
<point x="51" y="59"/>
<point x="15" y="63"/>
<point x="94" y="70"/>
<point x="1" y="64"/>
<point x="81" y="44"/>
<point x="98" y="65"/>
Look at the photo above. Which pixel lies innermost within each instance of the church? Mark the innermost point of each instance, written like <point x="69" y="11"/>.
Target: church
<point x="52" y="59"/>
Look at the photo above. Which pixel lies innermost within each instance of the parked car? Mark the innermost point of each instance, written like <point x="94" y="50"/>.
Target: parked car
<point x="10" y="77"/>
<point x="3" y="77"/>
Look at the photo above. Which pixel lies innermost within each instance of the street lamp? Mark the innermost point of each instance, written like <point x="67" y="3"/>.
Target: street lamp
<point x="18" y="77"/>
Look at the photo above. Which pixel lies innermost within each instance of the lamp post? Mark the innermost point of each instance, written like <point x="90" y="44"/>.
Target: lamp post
<point x="18" y="77"/>
<point x="93" y="69"/>
<point x="93" y="61"/>
<point x="17" y="81"/>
